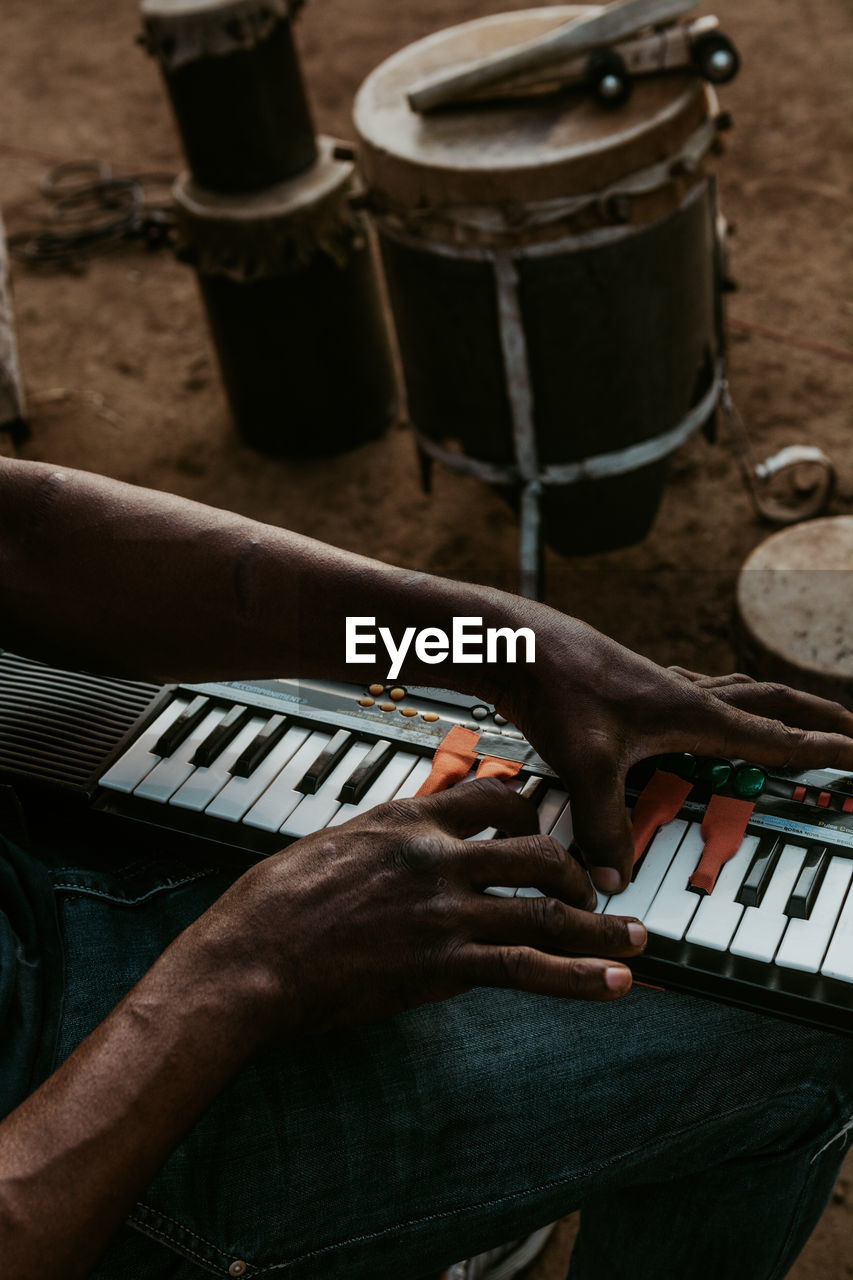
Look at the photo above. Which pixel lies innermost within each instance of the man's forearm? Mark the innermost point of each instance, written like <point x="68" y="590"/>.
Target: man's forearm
<point x="93" y="572"/>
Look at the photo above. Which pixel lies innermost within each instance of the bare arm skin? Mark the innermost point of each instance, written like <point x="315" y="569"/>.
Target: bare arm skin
<point x="108" y="576"/>
<point x="97" y="573"/>
<point x="100" y="574"/>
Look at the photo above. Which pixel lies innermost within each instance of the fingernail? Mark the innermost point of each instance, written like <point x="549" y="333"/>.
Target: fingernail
<point x="637" y="934"/>
<point x="607" y="879"/>
<point x="617" y="979"/>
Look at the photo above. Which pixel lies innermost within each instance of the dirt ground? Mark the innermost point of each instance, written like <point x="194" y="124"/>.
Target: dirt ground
<point x="121" y="380"/>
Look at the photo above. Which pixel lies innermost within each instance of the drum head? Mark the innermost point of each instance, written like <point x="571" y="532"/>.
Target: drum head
<point x="795" y="607"/>
<point x="557" y="144"/>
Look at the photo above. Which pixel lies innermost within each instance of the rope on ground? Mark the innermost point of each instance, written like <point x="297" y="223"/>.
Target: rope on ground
<point x="93" y="211"/>
<point x="791" y="339"/>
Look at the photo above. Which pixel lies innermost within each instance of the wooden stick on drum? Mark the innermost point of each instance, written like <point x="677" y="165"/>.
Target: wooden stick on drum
<point x="589" y="31"/>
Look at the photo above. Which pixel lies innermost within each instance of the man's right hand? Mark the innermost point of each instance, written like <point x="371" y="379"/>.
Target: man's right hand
<point x="386" y="912"/>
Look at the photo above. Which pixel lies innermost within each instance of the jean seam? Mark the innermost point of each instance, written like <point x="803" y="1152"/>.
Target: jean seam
<point x="149" y="1230"/>
<point x="113" y="871"/>
<point x="261" y="1269"/>
<point x="140" y="1224"/>
<point x="103" y="895"/>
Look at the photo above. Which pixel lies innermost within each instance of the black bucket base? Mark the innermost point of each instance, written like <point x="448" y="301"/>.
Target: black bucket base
<point x="597" y="515"/>
<point x="602" y="515"/>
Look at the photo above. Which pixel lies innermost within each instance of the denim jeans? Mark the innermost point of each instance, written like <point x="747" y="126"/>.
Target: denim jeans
<point x="699" y="1140"/>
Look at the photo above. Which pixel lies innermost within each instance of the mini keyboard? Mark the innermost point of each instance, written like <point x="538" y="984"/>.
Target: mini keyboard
<point x="253" y="765"/>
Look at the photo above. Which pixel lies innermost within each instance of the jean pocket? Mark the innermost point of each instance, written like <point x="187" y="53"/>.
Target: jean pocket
<point x="113" y="925"/>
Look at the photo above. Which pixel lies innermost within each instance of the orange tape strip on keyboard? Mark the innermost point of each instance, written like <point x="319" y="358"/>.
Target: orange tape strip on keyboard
<point x="723" y="829"/>
<point x="492" y="767"/>
<point x="657" y="804"/>
<point x="453" y="760"/>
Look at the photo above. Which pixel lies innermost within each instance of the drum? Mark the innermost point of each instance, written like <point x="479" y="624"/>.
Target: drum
<point x="554" y="280"/>
<point x="293" y="304"/>
<point x="236" y="89"/>
<point x="794" y="619"/>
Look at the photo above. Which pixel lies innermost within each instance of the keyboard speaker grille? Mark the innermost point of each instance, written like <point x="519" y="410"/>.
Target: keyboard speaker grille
<point x="62" y="727"/>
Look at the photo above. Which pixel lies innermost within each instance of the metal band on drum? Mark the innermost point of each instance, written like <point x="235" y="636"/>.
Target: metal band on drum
<point x="598" y="467"/>
<point x="527" y="474"/>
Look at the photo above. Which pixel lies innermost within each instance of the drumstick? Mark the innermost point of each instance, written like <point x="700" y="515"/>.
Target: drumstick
<point x="586" y="32"/>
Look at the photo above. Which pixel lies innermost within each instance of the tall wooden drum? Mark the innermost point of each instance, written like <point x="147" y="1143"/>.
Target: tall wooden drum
<point x="795" y="608"/>
<point x="294" y="309"/>
<point x="553" y="277"/>
<point x="233" y="78"/>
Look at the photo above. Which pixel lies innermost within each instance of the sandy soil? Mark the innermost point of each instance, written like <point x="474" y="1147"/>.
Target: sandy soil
<point x="121" y="379"/>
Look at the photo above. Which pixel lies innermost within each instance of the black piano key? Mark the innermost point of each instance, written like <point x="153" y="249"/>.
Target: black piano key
<point x="808" y="883"/>
<point x="366" y="773"/>
<point x="179" y="730"/>
<point x="317" y="773"/>
<point x="260" y="746"/>
<point x="220" y="736"/>
<point x="760" y="872"/>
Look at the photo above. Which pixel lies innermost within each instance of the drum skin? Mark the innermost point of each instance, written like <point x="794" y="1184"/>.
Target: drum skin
<point x="794" y="615"/>
<point x="618" y="297"/>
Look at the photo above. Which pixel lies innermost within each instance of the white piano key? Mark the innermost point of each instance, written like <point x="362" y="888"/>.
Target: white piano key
<point x="139" y="760"/>
<point x="280" y="799"/>
<point x="839" y="957"/>
<point x="206" y="782"/>
<point x="550" y="809"/>
<point x="563" y="829"/>
<point x="165" y="778"/>
<point x="501" y="891"/>
<point x="312" y="813"/>
<point x="719" y="914"/>
<point x="805" y="941"/>
<point x="636" y="898"/>
<point x="674" y="905"/>
<point x="761" y="928"/>
<point x="384" y="788"/>
<point x="416" y="779"/>
<point x="237" y="796"/>
<point x="528" y="891"/>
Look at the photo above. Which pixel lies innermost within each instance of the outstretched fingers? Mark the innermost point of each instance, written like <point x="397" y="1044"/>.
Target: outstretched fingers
<point x="793" y="707"/>
<point x="551" y="925"/>
<point x="523" y="968"/>
<point x="801" y="740"/>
